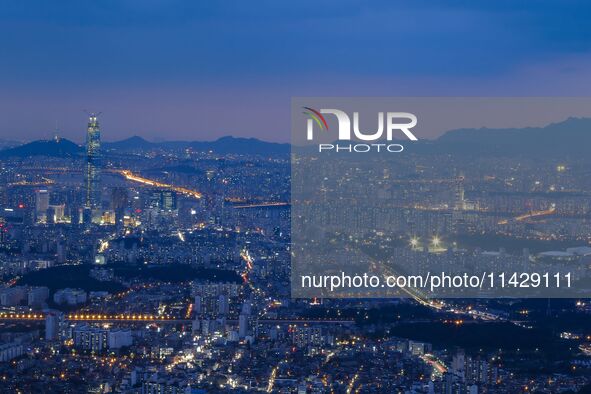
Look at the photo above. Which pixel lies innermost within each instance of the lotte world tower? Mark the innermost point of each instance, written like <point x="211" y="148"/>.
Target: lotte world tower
<point x="93" y="159"/>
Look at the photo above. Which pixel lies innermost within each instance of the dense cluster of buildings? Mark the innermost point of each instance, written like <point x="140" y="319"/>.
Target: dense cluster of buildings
<point x="167" y="270"/>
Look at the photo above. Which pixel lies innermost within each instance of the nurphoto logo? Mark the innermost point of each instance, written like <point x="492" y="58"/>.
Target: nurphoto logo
<point x="396" y="123"/>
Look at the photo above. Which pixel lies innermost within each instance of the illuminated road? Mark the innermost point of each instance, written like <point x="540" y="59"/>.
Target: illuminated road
<point x="130" y="176"/>
<point x="148" y="318"/>
<point x="248" y="260"/>
<point x="272" y="380"/>
<point x="262" y="205"/>
<point x="351" y="385"/>
<point x="45" y="182"/>
<point x="438" y="366"/>
<point x="32" y="316"/>
<point x="413" y="292"/>
<point x="532" y="214"/>
<point x="22" y="316"/>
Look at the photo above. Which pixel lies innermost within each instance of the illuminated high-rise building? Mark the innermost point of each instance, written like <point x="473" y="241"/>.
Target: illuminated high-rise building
<point x="92" y="179"/>
<point x="459" y="194"/>
<point x="41" y="204"/>
<point x="119" y="201"/>
<point x="164" y="199"/>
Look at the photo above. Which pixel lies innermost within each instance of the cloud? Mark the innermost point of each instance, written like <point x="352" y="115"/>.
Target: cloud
<point x="153" y="65"/>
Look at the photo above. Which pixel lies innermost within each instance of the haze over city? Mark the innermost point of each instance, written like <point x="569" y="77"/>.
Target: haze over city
<point x="144" y="250"/>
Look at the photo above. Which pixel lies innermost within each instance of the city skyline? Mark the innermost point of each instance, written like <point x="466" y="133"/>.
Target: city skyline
<point x="92" y="176"/>
<point x="434" y="131"/>
<point x="178" y="280"/>
<point x="310" y="197"/>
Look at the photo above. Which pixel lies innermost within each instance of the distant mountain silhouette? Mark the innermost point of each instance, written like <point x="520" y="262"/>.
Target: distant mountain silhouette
<point x="7" y="144"/>
<point x="571" y="136"/>
<point x="224" y="145"/>
<point x="227" y="145"/>
<point x="130" y="143"/>
<point x="52" y="148"/>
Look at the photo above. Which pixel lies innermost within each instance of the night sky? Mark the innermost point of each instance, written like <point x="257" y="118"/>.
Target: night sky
<point x="198" y="70"/>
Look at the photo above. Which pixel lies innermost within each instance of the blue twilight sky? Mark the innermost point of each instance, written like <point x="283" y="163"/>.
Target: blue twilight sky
<point x="188" y="69"/>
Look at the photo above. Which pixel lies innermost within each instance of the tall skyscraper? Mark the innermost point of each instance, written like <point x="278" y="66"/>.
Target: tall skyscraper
<point x="164" y="199"/>
<point x="92" y="181"/>
<point x="53" y="322"/>
<point x="119" y="201"/>
<point x="41" y="204"/>
<point x="119" y="198"/>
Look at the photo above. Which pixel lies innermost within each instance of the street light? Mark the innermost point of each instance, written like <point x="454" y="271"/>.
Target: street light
<point x="436" y="241"/>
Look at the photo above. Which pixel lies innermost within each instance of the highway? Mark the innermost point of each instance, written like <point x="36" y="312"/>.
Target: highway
<point x="149" y="318"/>
<point x="130" y="176"/>
<point x="262" y="205"/>
<point x="531" y="214"/>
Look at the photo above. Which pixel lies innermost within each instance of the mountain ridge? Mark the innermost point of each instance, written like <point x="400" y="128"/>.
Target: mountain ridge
<point x="62" y="147"/>
<point x="567" y="137"/>
<point x="57" y="147"/>
<point x="223" y="145"/>
<point x="570" y="136"/>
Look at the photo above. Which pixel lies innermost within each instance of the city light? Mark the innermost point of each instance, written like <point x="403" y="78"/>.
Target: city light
<point x="208" y="235"/>
<point x="436" y="241"/>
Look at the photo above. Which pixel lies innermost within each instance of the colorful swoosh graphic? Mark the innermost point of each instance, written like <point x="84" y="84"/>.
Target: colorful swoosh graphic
<point x="317" y="116"/>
